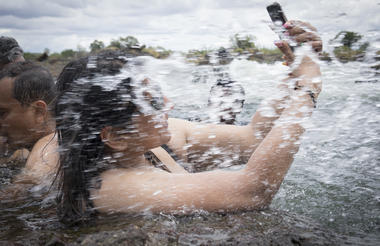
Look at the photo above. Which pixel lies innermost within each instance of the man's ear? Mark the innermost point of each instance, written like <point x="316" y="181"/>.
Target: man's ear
<point x="41" y="110"/>
<point x="110" y="139"/>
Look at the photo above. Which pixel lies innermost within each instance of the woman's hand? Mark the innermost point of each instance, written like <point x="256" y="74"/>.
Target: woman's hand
<point x="300" y="32"/>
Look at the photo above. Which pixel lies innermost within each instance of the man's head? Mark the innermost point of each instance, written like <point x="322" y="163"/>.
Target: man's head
<point x="27" y="95"/>
<point x="10" y="51"/>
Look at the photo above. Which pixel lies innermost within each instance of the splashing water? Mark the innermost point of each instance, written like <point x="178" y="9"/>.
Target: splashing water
<point x="334" y="178"/>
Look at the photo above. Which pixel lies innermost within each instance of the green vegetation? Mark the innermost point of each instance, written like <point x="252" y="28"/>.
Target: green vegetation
<point x="157" y="52"/>
<point x="243" y="45"/>
<point x="132" y="46"/>
<point x="239" y="45"/>
<point x="325" y="56"/>
<point x="246" y="45"/>
<point x="349" y="38"/>
<point x="346" y="54"/>
<point x="128" y="44"/>
<point x="265" y="55"/>
<point x="68" y="53"/>
<point x="31" y="56"/>
<point x="96" y="45"/>
<point x="351" y="49"/>
<point x="199" y="57"/>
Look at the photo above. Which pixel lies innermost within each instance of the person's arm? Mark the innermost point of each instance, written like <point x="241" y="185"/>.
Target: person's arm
<point x="300" y="32"/>
<point x="38" y="171"/>
<point x="250" y="188"/>
<point x="203" y="143"/>
<point x="227" y="141"/>
<point x="43" y="159"/>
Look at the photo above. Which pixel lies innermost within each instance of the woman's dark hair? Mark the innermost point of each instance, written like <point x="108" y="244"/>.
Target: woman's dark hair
<point x="89" y="100"/>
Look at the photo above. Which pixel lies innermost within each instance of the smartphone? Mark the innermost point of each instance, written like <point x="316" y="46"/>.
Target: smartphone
<point x="278" y="18"/>
<point x="276" y="14"/>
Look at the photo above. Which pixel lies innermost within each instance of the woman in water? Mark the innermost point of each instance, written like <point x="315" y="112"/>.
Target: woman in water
<point x="109" y="117"/>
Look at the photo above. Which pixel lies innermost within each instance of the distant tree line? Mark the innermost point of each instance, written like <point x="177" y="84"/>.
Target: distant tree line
<point x="348" y="47"/>
<point x="128" y="44"/>
<point x="238" y="45"/>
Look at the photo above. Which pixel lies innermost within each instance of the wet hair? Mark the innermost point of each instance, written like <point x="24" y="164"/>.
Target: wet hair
<point x="84" y="107"/>
<point x="32" y="82"/>
<point x="9" y="50"/>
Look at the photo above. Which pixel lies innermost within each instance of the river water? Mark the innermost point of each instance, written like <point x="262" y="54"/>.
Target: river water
<point x="335" y="176"/>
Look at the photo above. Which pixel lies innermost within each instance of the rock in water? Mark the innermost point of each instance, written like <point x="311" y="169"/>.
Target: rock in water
<point x="247" y="228"/>
<point x="268" y="227"/>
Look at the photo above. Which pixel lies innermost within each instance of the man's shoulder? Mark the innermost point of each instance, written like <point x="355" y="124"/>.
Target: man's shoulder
<point x="46" y="144"/>
<point x="41" y="166"/>
<point x="44" y="153"/>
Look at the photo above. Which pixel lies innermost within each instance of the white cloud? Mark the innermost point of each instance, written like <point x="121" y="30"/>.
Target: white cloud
<point x="173" y="24"/>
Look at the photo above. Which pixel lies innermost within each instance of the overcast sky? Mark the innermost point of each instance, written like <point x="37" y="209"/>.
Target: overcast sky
<point x="173" y="24"/>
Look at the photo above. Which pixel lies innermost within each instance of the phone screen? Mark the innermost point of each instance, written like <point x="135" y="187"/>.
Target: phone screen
<point x="276" y="14"/>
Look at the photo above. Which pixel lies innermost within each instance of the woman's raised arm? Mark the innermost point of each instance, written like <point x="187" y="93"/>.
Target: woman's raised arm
<point x="272" y="159"/>
<point x="243" y="140"/>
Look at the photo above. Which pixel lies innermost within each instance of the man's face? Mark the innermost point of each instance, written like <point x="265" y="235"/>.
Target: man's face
<point x="17" y="122"/>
